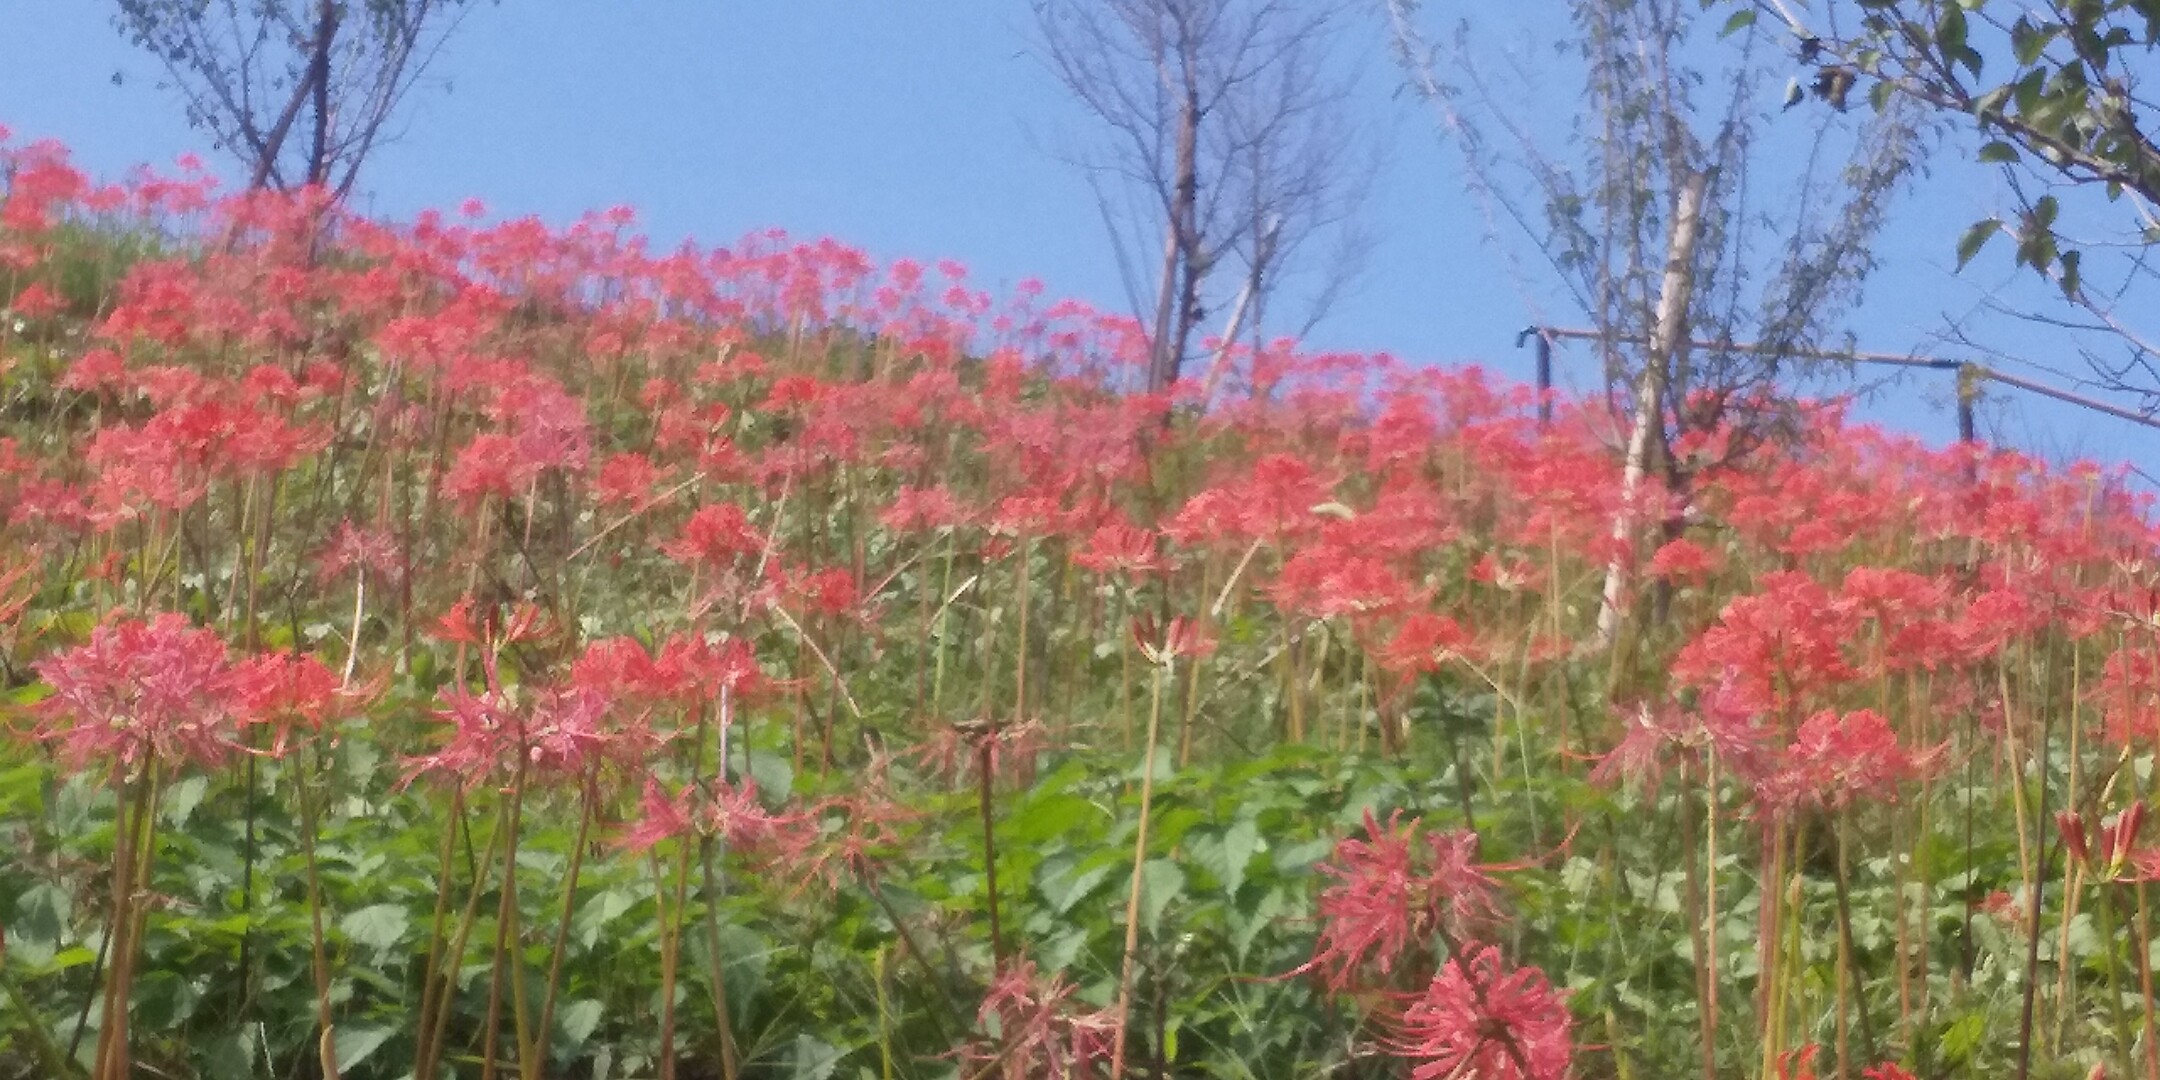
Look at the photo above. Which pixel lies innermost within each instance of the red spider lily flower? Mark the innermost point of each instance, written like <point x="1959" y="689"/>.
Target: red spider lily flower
<point x="96" y="371"/>
<point x="2118" y="841"/>
<point x="1683" y="561"/>
<point x="352" y="547"/>
<point x="956" y="752"/>
<point x="1321" y="583"/>
<point x="490" y="465"/>
<point x="1888" y="1071"/>
<point x="1119" y="547"/>
<point x="717" y="534"/>
<point x="1781" y="644"/>
<point x="142" y="690"/>
<point x="1797" y="1064"/>
<point x="1033" y="1028"/>
<point x="1385" y="900"/>
<point x="625" y="480"/>
<point x="1481" y="1019"/>
<point x="731" y="813"/>
<point x="916" y="509"/>
<point x="1425" y="642"/>
<point x="292" y="690"/>
<point x="840" y="839"/>
<point x="1164" y="643"/>
<point x="1836" y="759"/>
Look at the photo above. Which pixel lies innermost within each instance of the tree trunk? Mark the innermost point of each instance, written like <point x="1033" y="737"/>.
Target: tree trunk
<point x="1173" y="305"/>
<point x="1666" y="339"/>
<point x="326" y="25"/>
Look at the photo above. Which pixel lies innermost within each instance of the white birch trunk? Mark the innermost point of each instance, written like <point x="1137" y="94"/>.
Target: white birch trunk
<point x="1666" y="341"/>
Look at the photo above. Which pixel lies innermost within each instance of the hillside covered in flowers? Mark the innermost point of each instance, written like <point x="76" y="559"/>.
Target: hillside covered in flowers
<point x="471" y="648"/>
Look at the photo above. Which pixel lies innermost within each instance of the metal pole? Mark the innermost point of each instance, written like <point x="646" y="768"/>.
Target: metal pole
<point x="1968" y="393"/>
<point x="1544" y="372"/>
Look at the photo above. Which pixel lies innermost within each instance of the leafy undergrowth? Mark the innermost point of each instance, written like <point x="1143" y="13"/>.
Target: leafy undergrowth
<point x="464" y="649"/>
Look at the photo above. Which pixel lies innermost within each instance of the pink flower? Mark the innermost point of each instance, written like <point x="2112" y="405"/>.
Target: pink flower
<point x="143" y="690"/>
<point x="1485" y="1021"/>
<point x="1386" y="903"/>
<point x="1038" y="1030"/>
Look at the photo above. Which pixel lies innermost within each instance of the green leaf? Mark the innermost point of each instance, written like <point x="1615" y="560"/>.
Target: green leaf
<point x="1240" y="842"/>
<point x="2070" y="280"/>
<point x="579" y="1020"/>
<point x="1046" y="818"/>
<point x="182" y="798"/>
<point x="1976" y="238"/>
<point x="814" y="1059"/>
<point x="1998" y="153"/>
<point x="1950" y="32"/>
<point x="377" y="926"/>
<point x="1161" y="883"/>
<point x="42" y="914"/>
<point x="353" y="1045"/>
<point x="1064" y="895"/>
<point x="1739" y="21"/>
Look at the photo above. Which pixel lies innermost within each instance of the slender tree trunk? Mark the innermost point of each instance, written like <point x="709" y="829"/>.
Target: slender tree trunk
<point x="1180" y="277"/>
<point x="318" y="77"/>
<point x="1669" y="336"/>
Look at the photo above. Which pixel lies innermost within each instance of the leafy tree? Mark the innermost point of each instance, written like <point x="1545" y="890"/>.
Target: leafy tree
<point x="253" y="72"/>
<point x="2059" y="92"/>
<point x="1667" y="232"/>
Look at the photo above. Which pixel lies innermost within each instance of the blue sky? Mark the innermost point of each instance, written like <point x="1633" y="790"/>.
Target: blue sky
<point x="931" y="130"/>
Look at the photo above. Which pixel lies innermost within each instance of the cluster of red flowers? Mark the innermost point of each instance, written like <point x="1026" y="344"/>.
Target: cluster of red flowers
<point x="775" y="442"/>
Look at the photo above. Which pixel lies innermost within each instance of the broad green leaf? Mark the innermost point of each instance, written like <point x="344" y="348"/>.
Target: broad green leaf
<point x="1045" y="818"/>
<point x="1239" y="843"/>
<point x="814" y="1059"/>
<point x="1998" y="153"/>
<point x="1739" y="21"/>
<point x="579" y="1020"/>
<point x="1161" y="883"/>
<point x="353" y="1045"/>
<point x="182" y="798"/>
<point x="1070" y="890"/>
<point x="377" y="926"/>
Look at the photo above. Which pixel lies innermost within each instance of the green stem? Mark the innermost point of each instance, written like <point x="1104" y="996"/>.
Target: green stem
<point x="1132" y="899"/>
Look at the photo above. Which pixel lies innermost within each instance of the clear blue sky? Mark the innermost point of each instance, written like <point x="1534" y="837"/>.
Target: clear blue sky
<point x="929" y="130"/>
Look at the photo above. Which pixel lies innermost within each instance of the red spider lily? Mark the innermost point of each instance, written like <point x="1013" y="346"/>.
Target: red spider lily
<point x="2118" y="841"/>
<point x="1781" y="644"/>
<point x="1385" y="903"/>
<point x="841" y="838"/>
<point x="1033" y="1028"/>
<point x="1683" y="561"/>
<point x="523" y="622"/>
<point x="1838" y="758"/>
<point x="1479" y="1019"/>
<point x="1321" y="583"/>
<point x="955" y="752"/>
<point x="731" y="813"/>
<point x="916" y="509"/>
<point x="352" y="547"/>
<point x="626" y="480"/>
<point x="1797" y="1064"/>
<point x="1164" y="643"/>
<point x="1425" y="642"/>
<point x="291" y="690"/>
<point x="1888" y="1071"/>
<point x="1119" y="547"/>
<point x="142" y="690"/>
<point x="716" y="535"/>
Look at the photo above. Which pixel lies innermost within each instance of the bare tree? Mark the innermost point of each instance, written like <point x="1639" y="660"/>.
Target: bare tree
<point x="1225" y="136"/>
<point x="250" y="72"/>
